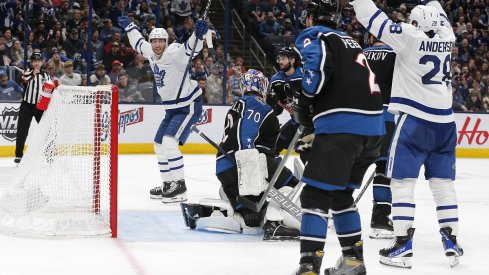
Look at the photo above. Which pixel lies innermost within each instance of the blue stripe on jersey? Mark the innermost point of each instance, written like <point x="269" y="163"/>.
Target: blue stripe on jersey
<point x="421" y="107"/>
<point x="446" y="207"/>
<point x="382" y="28"/>
<point x="327" y="186"/>
<point x="351" y="123"/>
<point x="378" y="47"/>
<point x="224" y="164"/>
<point x="446" y="18"/>
<point x="402" y="218"/>
<point x="403" y="204"/>
<point x="388" y="116"/>
<point x="313" y="226"/>
<point x="138" y="44"/>
<point x="377" y="13"/>
<point x="183" y="99"/>
<point x="448" y="220"/>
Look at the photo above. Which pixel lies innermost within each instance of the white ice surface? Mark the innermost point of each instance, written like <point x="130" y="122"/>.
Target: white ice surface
<point x="153" y="238"/>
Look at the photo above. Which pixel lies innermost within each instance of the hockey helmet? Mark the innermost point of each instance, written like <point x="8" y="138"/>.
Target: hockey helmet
<point x="158" y="33"/>
<point x="254" y="81"/>
<point x="290" y="52"/>
<point x="427" y="18"/>
<point x="36" y="56"/>
<point x="325" y="12"/>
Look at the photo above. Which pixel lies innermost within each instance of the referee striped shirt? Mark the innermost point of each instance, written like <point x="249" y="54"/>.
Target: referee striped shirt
<point x="33" y="85"/>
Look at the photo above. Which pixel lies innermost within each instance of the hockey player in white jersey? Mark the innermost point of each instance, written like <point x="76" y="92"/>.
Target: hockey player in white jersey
<point x="183" y="108"/>
<point x="425" y="129"/>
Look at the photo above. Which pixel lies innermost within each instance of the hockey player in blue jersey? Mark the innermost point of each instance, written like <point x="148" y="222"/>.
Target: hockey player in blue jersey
<point x="169" y="63"/>
<point x="425" y="131"/>
<point x="283" y="85"/>
<point x="341" y="99"/>
<point x="381" y="59"/>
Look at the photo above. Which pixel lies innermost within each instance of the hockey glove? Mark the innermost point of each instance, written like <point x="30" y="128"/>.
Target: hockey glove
<point x="273" y="99"/>
<point x="302" y="109"/>
<point x="126" y="23"/>
<point x="201" y="28"/>
<point x="304" y="143"/>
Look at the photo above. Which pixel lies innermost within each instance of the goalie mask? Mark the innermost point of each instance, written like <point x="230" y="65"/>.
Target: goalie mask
<point x="254" y="81"/>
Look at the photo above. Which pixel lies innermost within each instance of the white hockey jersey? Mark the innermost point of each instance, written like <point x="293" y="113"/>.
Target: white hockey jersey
<point x="422" y="79"/>
<point x="169" y="69"/>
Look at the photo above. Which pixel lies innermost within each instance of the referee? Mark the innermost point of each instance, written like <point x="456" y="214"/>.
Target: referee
<point x="33" y="79"/>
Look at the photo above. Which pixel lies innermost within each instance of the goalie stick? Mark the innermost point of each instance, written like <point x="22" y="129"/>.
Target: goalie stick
<point x="285" y="203"/>
<point x="189" y="63"/>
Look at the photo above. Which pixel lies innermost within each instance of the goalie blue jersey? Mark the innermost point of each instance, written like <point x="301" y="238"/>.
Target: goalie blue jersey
<point x="250" y="123"/>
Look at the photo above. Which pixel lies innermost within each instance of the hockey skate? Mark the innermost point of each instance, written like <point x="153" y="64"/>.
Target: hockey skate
<point x="453" y="250"/>
<point x="176" y="192"/>
<point x="349" y="264"/>
<point x="380" y="223"/>
<point x="277" y="231"/>
<point x="156" y="192"/>
<point x="400" y="252"/>
<point x="311" y="268"/>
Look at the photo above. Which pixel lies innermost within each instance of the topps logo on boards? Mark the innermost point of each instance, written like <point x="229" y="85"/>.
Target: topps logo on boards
<point x="8" y="123"/>
<point x="130" y="117"/>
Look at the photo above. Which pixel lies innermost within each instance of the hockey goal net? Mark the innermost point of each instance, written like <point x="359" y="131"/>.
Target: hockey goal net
<point x="66" y="183"/>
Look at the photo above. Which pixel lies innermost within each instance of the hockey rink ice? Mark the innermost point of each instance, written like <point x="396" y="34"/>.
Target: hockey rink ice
<point x="153" y="239"/>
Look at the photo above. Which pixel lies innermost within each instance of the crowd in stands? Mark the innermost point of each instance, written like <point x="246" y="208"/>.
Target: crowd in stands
<point x="59" y="30"/>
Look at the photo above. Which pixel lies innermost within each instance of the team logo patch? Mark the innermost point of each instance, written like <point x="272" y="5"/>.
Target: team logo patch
<point x="8" y="123"/>
<point x="205" y="117"/>
<point x="130" y="117"/>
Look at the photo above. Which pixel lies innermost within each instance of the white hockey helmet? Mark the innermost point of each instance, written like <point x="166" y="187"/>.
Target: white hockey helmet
<point x="158" y="33"/>
<point x="427" y="17"/>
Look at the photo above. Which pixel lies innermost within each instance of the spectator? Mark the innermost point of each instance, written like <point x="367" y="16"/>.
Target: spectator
<point x="117" y="11"/>
<point x="458" y="101"/>
<point x="108" y="31"/>
<point x="474" y="103"/>
<point x="57" y="63"/>
<point x="97" y="45"/>
<point x="277" y="9"/>
<point x="197" y="70"/>
<point x="99" y="76"/>
<point x="10" y="91"/>
<point x="51" y="71"/>
<point x="69" y="77"/>
<point x="128" y="92"/>
<point x="208" y="62"/>
<point x="75" y="21"/>
<point x="214" y="86"/>
<point x="116" y="71"/>
<point x="485" y="101"/>
<point x="219" y="57"/>
<point x="143" y="11"/>
<point x="202" y="86"/>
<point x="234" y="85"/>
<point x="185" y="31"/>
<point x="269" y="26"/>
<point x="181" y="9"/>
<point x="115" y="54"/>
<point x="72" y="45"/>
<point x="16" y="53"/>
<point x="140" y="72"/>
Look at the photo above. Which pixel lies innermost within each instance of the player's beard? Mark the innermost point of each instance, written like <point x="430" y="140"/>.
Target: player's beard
<point x="285" y="68"/>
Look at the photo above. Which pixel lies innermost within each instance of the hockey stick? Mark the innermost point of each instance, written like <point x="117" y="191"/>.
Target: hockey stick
<point x="365" y="187"/>
<point x="256" y="206"/>
<point x="285" y="203"/>
<point x="189" y="63"/>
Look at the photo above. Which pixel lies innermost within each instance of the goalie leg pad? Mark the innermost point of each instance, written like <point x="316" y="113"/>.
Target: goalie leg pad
<point x="252" y="171"/>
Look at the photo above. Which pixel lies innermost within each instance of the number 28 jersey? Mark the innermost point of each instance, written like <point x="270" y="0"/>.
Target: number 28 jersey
<point x="421" y="81"/>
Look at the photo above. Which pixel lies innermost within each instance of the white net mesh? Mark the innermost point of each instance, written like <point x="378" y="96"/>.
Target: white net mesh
<point x="62" y="186"/>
